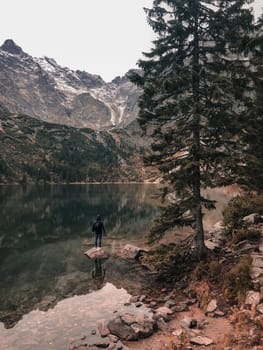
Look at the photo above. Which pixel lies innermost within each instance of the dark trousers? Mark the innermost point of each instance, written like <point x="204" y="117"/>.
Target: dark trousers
<point x="98" y="240"/>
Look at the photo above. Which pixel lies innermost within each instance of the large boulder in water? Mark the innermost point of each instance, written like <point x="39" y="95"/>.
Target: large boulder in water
<point x="97" y="253"/>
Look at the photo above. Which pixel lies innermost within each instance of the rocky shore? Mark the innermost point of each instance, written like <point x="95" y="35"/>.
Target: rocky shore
<point x="192" y="313"/>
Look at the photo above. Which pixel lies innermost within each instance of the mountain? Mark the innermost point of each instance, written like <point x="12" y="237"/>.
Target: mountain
<point x="41" y="88"/>
<point x="32" y="150"/>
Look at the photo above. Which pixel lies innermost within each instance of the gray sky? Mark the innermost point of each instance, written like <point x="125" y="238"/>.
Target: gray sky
<point x="104" y="37"/>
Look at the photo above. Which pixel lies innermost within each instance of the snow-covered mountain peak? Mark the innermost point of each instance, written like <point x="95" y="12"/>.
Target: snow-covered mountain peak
<point x="41" y="87"/>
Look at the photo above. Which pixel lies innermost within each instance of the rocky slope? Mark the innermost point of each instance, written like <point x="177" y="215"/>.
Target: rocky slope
<point x="41" y="88"/>
<point x="32" y="150"/>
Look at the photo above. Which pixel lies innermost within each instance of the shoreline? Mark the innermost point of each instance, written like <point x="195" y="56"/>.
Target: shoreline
<point x="83" y="183"/>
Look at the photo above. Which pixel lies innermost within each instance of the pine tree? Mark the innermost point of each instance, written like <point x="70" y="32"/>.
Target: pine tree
<point x="198" y="95"/>
<point x="253" y="170"/>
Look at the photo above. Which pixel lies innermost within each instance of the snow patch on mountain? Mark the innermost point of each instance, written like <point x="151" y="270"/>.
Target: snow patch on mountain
<point x="41" y="87"/>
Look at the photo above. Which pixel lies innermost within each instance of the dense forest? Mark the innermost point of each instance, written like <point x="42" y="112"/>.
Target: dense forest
<point x="35" y="151"/>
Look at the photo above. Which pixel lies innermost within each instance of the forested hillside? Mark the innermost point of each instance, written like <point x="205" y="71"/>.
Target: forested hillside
<point x="35" y="151"/>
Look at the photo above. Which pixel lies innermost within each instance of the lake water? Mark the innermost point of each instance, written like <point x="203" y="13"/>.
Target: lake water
<point x="50" y="292"/>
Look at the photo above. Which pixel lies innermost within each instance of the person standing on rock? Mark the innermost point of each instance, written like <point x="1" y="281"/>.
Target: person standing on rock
<point x="99" y="229"/>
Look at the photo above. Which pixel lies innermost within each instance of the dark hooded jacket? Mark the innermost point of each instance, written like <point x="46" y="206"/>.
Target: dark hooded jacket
<point x="98" y="226"/>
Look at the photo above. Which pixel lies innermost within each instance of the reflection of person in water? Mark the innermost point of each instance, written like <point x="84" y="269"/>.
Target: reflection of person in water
<point x="98" y="274"/>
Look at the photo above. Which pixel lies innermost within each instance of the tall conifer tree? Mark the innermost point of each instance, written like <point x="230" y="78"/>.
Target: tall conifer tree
<point x="197" y="97"/>
<point x="253" y="169"/>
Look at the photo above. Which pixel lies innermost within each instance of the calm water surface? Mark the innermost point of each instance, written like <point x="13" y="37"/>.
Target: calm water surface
<point x="50" y="293"/>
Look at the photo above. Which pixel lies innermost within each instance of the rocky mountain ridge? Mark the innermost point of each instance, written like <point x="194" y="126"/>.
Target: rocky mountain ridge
<point x="41" y="88"/>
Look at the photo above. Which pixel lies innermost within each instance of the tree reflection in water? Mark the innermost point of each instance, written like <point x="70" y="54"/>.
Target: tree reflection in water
<point x="42" y="230"/>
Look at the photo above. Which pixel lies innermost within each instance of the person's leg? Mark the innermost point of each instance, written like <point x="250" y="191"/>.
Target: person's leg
<point x="96" y="240"/>
<point x="99" y="240"/>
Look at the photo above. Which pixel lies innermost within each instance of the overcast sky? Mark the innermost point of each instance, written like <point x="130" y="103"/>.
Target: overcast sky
<point x="104" y="37"/>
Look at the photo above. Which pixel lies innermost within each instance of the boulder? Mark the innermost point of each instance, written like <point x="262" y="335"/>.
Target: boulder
<point x="163" y="312"/>
<point x="132" y="327"/>
<point x="97" y="253"/>
<point x="214" y="239"/>
<point x="252" y="298"/>
<point x="252" y="219"/>
<point x="131" y="251"/>
<point x="211" y="245"/>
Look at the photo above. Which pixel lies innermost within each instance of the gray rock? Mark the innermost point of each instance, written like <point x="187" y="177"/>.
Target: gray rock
<point x="134" y="299"/>
<point x="138" y="304"/>
<point x="132" y="327"/>
<point x="252" y="298"/>
<point x="211" y="245"/>
<point x="178" y="332"/>
<point x="163" y="312"/>
<point x="219" y="313"/>
<point x="252" y="218"/>
<point x="142" y="298"/>
<point x="113" y="338"/>
<point x="131" y="252"/>
<point x="180" y="308"/>
<point x="188" y="322"/>
<point x="162" y="325"/>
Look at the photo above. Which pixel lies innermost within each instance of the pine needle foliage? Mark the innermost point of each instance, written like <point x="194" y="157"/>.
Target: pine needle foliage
<point x="198" y="98"/>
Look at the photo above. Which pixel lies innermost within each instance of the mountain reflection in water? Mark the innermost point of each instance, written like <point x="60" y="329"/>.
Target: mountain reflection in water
<point x="44" y="232"/>
<point x="71" y="319"/>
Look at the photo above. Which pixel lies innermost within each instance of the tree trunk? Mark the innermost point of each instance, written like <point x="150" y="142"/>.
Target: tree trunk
<point x="199" y="231"/>
<point x="199" y="234"/>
